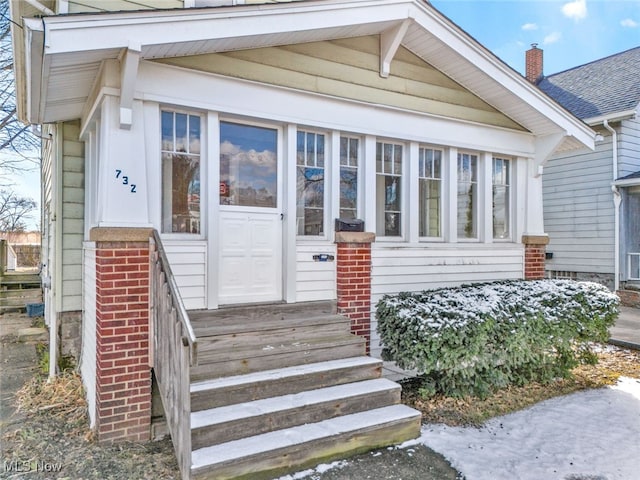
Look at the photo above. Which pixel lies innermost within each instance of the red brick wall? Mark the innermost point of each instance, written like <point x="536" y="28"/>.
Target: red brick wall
<point x="123" y="375"/>
<point x="354" y="286"/>
<point x="629" y="298"/>
<point x="534" y="64"/>
<point x="534" y="261"/>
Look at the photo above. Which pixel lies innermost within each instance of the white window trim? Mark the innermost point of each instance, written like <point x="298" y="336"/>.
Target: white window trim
<point x="479" y="204"/>
<point x="280" y="146"/>
<point x="511" y="184"/>
<point x="337" y="136"/>
<point x="204" y="162"/>
<point x="404" y="187"/>
<point x="328" y="204"/>
<point x="444" y="191"/>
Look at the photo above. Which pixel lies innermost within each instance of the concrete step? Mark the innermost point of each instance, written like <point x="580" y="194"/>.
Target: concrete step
<point x="258" y="356"/>
<point x="232" y="422"/>
<point x="264" y="384"/>
<point x="20" y="296"/>
<point x="271" y="454"/>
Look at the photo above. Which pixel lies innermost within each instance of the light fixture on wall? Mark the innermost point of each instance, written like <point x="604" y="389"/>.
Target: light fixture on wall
<point x="599" y="138"/>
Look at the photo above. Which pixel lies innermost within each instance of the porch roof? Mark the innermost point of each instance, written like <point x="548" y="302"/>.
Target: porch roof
<point x="63" y="54"/>
<point x="630" y="180"/>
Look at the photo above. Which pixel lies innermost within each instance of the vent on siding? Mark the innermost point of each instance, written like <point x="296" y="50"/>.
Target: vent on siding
<point x="562" y="275"/>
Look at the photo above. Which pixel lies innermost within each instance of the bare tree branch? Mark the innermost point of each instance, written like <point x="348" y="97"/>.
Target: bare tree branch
<point x="14" y="211"/>
<point x="15" y="137"/>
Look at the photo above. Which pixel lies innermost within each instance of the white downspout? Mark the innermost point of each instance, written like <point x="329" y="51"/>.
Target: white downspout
<point x="617" y="200"/>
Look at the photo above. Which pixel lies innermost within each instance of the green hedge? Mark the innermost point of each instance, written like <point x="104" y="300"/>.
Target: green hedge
<point x="473" y="339"/>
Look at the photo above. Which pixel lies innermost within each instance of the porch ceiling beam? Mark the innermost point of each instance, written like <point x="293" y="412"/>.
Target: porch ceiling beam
<point x="128" y="73"/>
<point x="389" y="43"/>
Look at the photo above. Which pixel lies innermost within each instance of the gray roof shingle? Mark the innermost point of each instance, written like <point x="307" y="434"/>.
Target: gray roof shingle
<point x="630" y="176"/>
<point x="605" y="86"/>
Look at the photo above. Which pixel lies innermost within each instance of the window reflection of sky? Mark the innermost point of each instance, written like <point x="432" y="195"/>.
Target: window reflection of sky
<point x="248" y="164"/>
<point x="181" y="135"/>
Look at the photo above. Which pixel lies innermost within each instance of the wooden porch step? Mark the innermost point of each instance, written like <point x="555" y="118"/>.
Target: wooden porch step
<point x="258" y="356"/>
<point x="272" y="454"/>
<point x="232" y="422"/>
<point x="237" y="316"/>
<point x="264" y="384"/>
<point x="227" y="334"/>
<point x="282" y="387"/>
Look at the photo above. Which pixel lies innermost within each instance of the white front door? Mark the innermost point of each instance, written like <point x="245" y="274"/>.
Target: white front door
<point x="250" y="257"/>
<point x="250" y="220"/>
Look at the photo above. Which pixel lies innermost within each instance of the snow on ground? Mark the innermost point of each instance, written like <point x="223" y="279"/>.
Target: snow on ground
<point x="589" y="435"/>
<point x="593" y="434"/>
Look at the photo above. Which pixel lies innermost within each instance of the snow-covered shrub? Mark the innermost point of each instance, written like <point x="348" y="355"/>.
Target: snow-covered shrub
<point x="473" y="339"/>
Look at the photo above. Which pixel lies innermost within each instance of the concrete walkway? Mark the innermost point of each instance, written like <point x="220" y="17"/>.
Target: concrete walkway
<point x="18" y="362"/>
<point x="626" y="332"/>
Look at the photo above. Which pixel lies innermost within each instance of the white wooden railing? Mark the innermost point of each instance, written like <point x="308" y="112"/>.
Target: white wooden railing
<point x="633" y="266"/>
<point x="175" y="350"/>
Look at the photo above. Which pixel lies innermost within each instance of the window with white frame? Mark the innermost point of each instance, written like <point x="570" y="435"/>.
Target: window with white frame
<point x="501" y="180"/>
<point x="349" y="154"/>
<point x="310" y="178"/>
<point x="388" y="189"/>
<point x="467" y="217"/>
<point x="180" y="151"/>
<point x="430" y="192"/>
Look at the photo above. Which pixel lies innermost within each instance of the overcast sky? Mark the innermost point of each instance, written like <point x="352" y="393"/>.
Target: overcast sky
<point x="571" y="33"/>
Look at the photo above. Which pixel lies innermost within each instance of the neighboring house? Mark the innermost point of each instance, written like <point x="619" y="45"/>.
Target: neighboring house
<point x="23" y="249"/>
<point x="240" y="133"/>
<point x="591" y="198"/>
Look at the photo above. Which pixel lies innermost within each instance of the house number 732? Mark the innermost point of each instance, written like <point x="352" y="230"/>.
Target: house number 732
<point x="125" y="180"/>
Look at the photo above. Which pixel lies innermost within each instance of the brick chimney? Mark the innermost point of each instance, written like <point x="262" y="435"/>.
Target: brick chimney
<point x="533" y="64"/>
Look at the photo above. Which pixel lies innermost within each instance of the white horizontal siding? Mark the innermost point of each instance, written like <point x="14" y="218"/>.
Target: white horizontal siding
<point x="72" y="216"/>
<point x="629" y="147"/>
<point x="89" y="6"/>
<point x="188" y="261"/>
<point x="420" y="268"/>
<point x="416" y="268"/>
<point x="315" y="280"/>
<point x="88" y="358"/>
<point x="579" y="210"/>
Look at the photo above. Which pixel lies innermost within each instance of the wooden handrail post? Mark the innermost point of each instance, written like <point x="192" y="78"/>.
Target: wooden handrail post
<point x="3" y="257"/>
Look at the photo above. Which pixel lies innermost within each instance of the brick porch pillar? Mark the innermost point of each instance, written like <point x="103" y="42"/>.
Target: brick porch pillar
<point x="534" y="256"/>
<point x="123" y="374"/>
<point x="353" y="271"/>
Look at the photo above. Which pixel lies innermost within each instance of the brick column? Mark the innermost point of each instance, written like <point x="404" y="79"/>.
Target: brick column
<point x="353" y="281"/>
<point x="123" y="374"/>
<point x="534" y="256"/>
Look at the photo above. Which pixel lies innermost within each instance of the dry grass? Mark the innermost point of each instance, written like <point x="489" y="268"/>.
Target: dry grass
<point x="612" y="363"/>
<point x="62" y="397"/>
<point x="55" y="429"/>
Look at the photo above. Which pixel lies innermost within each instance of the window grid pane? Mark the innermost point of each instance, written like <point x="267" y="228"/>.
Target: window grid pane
<point x="310" y="183"/>
<point x="501" y="198"/>
<point x="349" y="177"/>
<point x="180" y="149"/>
<point x="389" y="189"/>
<point x="467" y="196"/>
<point x="430" y="192"/>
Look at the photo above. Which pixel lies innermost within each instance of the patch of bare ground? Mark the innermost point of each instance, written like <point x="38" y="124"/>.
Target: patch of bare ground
<point x="613" y="362"/>
<point x="54" y="441"/>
